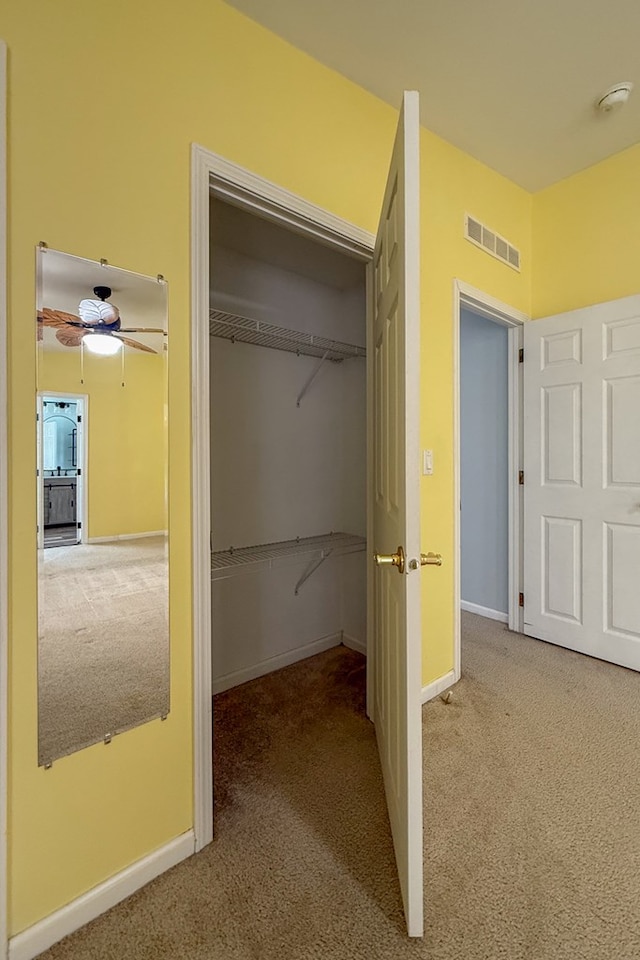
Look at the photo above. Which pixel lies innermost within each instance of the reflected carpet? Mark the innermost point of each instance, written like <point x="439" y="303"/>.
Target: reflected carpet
<point x="103" y="648"/>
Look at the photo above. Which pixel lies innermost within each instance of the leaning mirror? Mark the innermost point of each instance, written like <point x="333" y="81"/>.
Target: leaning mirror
<point x="103" y="625"/>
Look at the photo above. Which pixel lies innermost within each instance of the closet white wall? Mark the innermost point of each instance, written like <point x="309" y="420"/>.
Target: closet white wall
<point x="279" y="470"/>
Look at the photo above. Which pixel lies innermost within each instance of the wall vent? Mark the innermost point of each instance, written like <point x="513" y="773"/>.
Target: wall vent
<point x="492" y="242"/>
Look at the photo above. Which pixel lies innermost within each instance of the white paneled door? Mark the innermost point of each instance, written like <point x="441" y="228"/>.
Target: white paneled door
<point x="396" y="660"/>
<point x="582" y="480"/>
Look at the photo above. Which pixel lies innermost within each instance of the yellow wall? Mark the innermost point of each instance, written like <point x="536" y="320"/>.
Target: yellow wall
<point x="587" y="236"/>
<point x="452" y="184"/>
<point x="125" y="436"/>
<point x="104" y="104"/>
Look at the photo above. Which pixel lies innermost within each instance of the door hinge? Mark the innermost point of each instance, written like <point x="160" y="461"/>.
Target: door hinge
<point x="80" y="528"/>
<point x="521" y="355"/>
<point x="79" y="473"/>
<point x="521" y="599"/>
<point x="79" y="418"/>
<point x="521" y="477"/>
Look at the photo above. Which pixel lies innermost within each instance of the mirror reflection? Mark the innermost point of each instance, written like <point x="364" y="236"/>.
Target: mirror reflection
<point x="103" y="626"/>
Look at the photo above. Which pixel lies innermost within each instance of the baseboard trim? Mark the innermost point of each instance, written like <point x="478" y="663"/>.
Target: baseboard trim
<point x="354" y="644"/>
<point x="484" y="611"/>
<point x="42" y="935"/>
<point x="220" y="684"/>
<point x="127" y="536"/>
<point x="436" y="687"/>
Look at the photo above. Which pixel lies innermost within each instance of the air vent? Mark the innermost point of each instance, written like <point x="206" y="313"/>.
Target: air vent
<point x="492" y="242"/>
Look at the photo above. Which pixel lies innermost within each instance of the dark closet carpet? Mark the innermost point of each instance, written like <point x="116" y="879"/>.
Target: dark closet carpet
<point x="532" y="821"/>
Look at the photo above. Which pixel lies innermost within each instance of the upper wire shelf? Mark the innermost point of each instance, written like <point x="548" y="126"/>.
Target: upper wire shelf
<point x="230" y="326"/>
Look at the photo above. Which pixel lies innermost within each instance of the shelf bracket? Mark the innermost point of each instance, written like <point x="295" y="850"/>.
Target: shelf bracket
<point x="314" y="374"/>
<point x="311" y="569"/>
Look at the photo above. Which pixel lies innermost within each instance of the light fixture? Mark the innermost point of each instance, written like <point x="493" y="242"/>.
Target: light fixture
<point x="615" y="97"/>
<point x="104" y="344"/>
<point x="102" y="319"/>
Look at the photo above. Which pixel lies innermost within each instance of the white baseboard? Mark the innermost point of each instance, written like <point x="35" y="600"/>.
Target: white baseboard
<point x="484" y="611"/>
<point x="42" y="935"/>
<point x="220" y="684"/>
<point x="127" y="536"/>
<point x="436" y="687"/>
<point x="353" y="643"/>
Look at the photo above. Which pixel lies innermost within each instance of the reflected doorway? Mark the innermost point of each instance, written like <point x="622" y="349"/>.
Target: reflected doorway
<point x="61" y="469"/>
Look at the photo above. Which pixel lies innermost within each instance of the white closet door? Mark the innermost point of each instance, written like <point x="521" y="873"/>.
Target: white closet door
<point x="582" y="480"/>
<point x="396" y="660"/>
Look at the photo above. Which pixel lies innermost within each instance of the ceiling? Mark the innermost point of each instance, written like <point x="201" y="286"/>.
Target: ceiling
<point x="512" y="83"/>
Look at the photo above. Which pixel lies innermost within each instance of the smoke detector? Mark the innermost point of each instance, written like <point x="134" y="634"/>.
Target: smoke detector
<point x="615" y="97"/>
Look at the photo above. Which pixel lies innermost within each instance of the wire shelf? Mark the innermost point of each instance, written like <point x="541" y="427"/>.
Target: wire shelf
<point x="230" y="326"/>
<point x="230" y="563"/>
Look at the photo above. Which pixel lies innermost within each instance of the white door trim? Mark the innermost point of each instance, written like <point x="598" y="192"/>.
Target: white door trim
<point x="4" y="513"/>
<point x="212" y="173"/>
<point x="484" y="305"/>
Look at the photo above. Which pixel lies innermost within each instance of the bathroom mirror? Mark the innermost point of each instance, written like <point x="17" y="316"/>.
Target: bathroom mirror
<point x="101" y="433"/>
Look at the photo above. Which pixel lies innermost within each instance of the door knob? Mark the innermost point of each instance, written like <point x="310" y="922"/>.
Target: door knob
<point x="428" y="559"/>
<point x="393" y="559"/>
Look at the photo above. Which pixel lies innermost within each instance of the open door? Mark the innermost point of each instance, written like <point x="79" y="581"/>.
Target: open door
<point x="582" y="480"/>
<point x="395" y="358"/>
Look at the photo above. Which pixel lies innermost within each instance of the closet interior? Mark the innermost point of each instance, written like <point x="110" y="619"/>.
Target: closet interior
<point x="288" y="446"/>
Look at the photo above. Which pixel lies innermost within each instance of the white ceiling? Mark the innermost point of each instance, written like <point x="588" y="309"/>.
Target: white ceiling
<point x="512" y="82"/>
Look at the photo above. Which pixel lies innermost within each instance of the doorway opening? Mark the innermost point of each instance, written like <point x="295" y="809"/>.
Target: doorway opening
<point x="484" y="468"/>
<point x="489" y="503"/>
<point x="235" y="187"/>
<point x="61" y="469"/>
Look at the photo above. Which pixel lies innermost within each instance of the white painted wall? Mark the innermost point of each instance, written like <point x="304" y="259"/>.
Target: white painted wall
<point x="280" y="471"/>
<point x="263" y="291"/>
<point x="484" y="463"/>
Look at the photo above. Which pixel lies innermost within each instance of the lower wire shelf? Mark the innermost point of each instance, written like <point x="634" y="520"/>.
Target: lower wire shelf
<point x="267" y="556"/>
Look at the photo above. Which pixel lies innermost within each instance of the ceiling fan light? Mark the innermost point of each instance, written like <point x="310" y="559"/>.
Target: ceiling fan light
<point x="103" y="344"/>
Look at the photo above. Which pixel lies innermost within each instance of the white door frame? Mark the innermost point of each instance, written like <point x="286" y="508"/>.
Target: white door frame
<point x="230" y="182"/>
<point x="4" y="512"/>
<point x="464" y="295"/>
<point x="82" y="455"/>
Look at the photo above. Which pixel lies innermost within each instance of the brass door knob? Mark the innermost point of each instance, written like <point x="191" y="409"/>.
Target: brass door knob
<point x="393" y="559"/>
<point x="430" y="559"/>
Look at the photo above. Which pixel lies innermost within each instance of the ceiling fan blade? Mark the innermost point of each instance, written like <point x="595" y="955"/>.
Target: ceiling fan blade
<point x="135" y="344"/>
<point x="142" y="330"/>
<point x="69" y="337"/>
<point x="58" y="318"/>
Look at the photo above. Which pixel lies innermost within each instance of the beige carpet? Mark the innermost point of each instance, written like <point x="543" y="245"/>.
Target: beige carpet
<point x="532" y="822"/>
<point x="103" y="650"/>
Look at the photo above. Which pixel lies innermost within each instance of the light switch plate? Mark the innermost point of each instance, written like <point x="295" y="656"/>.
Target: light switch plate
<point x="427" y="463"/>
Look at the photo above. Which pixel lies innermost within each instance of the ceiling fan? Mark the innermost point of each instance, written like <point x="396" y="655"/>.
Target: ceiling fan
<point x="98" y="326"/>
